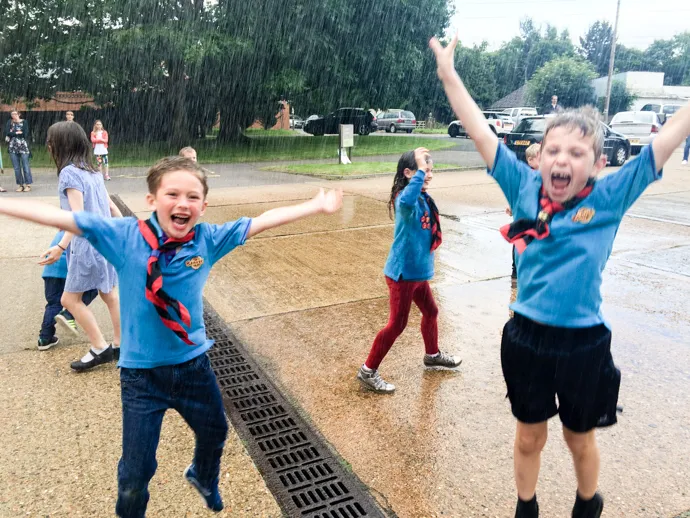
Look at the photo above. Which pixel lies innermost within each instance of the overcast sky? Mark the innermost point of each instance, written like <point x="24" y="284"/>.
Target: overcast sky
<point x="641" y="21"/>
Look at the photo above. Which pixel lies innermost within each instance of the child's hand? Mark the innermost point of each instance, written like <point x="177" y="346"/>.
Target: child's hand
<point x="422" y="157"/>
<point x="50" y="256"/>
<point x="444" y="56"/>
<point x="329" y="202"/>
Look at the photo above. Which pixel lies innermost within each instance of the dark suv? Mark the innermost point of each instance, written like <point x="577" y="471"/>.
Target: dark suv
<point x="363" y="121"/>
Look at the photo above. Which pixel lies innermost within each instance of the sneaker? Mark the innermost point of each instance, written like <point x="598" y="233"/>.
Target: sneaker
<point x="211" y="497"/>
<point x="27" y="188"/>
<point x="68" y="324"/>
<point x="588" y="508"/>
<point x="372" y="380"/>
<point x="20" y="188"/>
<point x="684" y="162"/>
<point x="442" y="361"/>
<point x="107" y="177"/>
<point x="45" y="344"/>
<point x="98" y="359"/>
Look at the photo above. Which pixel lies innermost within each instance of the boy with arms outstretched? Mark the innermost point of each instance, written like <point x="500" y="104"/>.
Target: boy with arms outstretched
<point x="163" y="264"/>
<point x="565" y="221"/>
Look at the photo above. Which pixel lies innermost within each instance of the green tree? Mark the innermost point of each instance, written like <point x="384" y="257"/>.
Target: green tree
<point x="569" y="78"/>
<point x="621" y="98"/>
<point x="595" y="46"/>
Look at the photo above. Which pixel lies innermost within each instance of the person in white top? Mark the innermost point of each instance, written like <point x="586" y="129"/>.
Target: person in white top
<point x="99" y="139"/>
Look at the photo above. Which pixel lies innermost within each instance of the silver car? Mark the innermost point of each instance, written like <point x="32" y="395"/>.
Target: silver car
<point x="397" y="120"/>
<point x="640" y="128"/>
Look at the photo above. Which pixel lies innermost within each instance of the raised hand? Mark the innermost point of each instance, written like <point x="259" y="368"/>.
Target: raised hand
<point x="422" y="157"/>
<point x="444" y="55"/>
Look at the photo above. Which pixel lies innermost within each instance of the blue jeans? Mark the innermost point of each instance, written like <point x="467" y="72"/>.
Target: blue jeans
<point x="21" y="161"/>
<point x="54" y="286"/>
<point x="191" y="389"/>
<point x="686" y="151"/>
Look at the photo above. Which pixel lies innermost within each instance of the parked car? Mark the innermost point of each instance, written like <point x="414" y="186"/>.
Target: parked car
<point x="456" y="129"/>
<point x="397" y="120"/>
<point x="363" y="121"/>
<point x="663" y="111"/>
<point x="518" y="113"/>
<point x="531" y="131"/>
<point x="500" y="123"/>
<point x="639" y="127"/>
<point x="296" y="122"/>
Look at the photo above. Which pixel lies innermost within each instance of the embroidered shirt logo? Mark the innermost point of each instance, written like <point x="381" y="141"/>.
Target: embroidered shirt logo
<point x="584" y="215"/>
<point x="195" y="262"/>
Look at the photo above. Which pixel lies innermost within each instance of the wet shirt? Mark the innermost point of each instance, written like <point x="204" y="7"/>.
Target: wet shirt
<point x="146" y="342"/>
<point x="559" y="277"/>
<point x="410" y="258"/>
<point x="58" y="269"/>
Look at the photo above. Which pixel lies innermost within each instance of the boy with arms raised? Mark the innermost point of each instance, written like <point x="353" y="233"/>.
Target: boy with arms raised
<point x="565" y="221"/>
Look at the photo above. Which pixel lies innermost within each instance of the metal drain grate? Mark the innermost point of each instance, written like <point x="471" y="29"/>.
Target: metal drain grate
<point x="299" y="468"/>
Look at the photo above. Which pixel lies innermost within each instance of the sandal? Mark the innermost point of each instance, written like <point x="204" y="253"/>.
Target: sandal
<point x="3" y="190"/>
<point x="19" y="189"/>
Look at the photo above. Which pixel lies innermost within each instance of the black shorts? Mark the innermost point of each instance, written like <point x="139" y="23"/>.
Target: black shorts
<point x="541" y="362"/>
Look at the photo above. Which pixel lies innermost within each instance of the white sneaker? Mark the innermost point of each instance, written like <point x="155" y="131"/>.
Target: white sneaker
<point x="684" y="162"/>
<point x="373" y="381"/>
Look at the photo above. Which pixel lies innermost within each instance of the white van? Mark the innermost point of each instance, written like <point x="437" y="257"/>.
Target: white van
<point x="518" y="113"/>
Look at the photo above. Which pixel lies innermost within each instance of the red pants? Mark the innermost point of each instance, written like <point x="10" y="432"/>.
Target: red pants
<point x="402" y="294"/>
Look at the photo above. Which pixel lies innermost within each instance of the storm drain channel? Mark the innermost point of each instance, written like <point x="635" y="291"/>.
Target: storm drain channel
<point x="299" y="468"/>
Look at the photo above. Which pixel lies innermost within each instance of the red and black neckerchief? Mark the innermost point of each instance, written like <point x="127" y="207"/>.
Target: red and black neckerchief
<point x="432" y="220"/>
<point x="523" y="231"/>
<point x="154" y="281"/>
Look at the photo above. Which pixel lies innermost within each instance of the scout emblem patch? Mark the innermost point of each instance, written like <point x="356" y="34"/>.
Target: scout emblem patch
<point x="584" y="215"/>
<point x="195" y="262"/>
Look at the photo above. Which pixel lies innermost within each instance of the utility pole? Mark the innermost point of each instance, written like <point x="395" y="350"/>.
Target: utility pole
<point x="611" y="60"/>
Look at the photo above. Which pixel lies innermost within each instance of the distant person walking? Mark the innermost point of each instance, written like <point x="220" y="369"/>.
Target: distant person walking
<point x="99" y="139"/>
<point x="16" y="133"/>
<point x="554" y="107"/>
<point x="686" y="151"/>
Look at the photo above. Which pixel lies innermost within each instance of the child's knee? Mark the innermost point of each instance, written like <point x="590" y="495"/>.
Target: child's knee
<point x="67" y="301"/>
<point x="531" y="440"/>
<point x="579" y="443"/>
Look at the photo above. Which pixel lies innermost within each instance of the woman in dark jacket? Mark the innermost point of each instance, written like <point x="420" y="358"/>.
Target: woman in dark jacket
<point x="16" y="134"/>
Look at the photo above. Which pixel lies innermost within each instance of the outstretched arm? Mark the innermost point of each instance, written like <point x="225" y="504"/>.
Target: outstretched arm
<point x="40" y="213"/>
<point x="462" y="103"/>
<point x="323" y="203"/>
<point x="674" y="132"/>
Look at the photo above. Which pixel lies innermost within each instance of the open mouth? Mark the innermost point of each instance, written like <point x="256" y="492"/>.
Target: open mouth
<point x="179" y="221"/>
<point x="560" y="181"/>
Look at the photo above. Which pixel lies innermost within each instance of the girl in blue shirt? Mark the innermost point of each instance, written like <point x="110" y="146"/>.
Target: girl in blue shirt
<point x="409" y="267"/>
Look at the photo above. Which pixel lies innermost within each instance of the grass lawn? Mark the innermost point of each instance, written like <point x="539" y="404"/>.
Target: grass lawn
<point x="355" y="169"/>
<point x="253" y="149"/>
<point x="428" y="131"/>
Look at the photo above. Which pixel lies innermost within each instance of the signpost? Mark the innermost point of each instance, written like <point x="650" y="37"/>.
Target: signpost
<point x="347" y="142"/>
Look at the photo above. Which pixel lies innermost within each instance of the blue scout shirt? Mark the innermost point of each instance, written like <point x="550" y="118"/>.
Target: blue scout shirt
<point x="559" y="277"/>
<point x="146" y="342"/>
<point x="410" y="258"/>
<point x="58" y="269"/>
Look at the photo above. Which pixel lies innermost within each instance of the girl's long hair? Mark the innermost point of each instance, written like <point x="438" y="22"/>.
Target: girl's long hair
<point x="68" y="144"/>
<point x="407" y="161"/>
